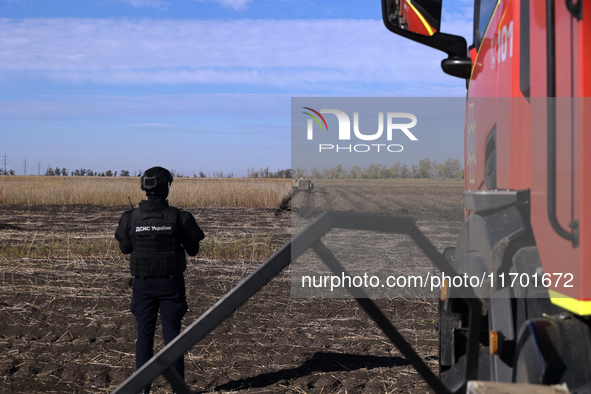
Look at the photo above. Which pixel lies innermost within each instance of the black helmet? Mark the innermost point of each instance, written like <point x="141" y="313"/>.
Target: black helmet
<point x="156" y="181"/>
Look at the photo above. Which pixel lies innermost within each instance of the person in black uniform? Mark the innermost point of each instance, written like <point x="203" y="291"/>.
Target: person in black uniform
<point x="157" y="236"/>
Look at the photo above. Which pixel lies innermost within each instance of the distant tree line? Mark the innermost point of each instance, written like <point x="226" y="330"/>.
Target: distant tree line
<point x="425" y="169"/>
<point x="265" y="173"/>
<point x="450" y="169"/>
<point x="88" y="172"/>
<point x="82" y="172"/>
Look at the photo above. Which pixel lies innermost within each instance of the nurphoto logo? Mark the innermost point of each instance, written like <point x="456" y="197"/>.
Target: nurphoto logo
<point x="345" y="130"/>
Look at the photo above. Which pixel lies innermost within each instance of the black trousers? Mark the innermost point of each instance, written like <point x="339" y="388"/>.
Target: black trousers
<point x="151" y="295"/>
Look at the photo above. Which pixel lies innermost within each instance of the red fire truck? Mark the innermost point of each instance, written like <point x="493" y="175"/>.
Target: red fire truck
<point x="527" y="191"/>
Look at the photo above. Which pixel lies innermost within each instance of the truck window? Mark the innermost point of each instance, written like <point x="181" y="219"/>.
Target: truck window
<point x="483" y="12"/>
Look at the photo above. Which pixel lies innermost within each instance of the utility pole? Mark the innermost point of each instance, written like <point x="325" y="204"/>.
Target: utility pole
<point x="38" y="168"/>
<point x="25" y="166"/>
<point x="5" y="161"/>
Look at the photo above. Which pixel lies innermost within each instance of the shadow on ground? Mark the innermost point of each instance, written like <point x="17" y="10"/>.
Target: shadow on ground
<point x="320" y="362"/>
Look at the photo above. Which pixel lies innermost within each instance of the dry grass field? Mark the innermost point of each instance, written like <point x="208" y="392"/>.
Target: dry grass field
<point x="112" y="191"/>
<point x="65" y="325"/>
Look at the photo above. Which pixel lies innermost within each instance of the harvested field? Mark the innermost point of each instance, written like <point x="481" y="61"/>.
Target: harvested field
<point x="65" y="324"/>
<point x="419" y="198"/>
<point x="435" y="205"/>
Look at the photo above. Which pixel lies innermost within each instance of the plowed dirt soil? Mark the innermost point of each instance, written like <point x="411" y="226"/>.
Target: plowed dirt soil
<point x="65" y="325"/>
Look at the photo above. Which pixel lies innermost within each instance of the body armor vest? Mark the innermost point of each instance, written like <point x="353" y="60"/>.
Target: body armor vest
<point x="156" y="248"/>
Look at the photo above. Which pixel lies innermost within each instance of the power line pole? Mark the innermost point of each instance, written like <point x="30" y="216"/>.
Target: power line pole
<point x="5" y="161"/>
<point x="25" y="166"/>
<point x="38" y="168"/>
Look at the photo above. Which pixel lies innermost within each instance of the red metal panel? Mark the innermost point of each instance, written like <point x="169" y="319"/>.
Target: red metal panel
<point x="537" y="37"/>
<point x="557" y="254"/>
<point x="495" y="99"/>
<point x="583" y="45"/>
<point x="481" y="109"/>
<point x="585" y="189"/>
<point x="505" y="51"/>
<point x="513" y="123"/>
<point x="496" y="75"/>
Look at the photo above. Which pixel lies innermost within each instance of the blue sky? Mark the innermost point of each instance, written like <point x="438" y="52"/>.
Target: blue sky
<point x="195" y="85"/>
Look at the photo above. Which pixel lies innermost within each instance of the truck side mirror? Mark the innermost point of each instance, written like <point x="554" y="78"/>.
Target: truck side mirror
<point x="420" y="20"/>
<point x="419" y="17"/>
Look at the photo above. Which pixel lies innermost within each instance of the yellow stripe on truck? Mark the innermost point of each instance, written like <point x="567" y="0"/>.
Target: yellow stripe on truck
<point x="580" y="307"/>
<point x="427" y="26"/>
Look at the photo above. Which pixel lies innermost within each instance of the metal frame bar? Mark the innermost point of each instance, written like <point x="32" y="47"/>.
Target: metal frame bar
<point x="309" y="238"/>
<point x="382" y="321"/>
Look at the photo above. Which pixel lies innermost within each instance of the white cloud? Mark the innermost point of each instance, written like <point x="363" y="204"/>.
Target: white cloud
<point x="108" y="106"/>
<point x="458" y="22"/>
<point x="237" y="5"/>
<point x="160" y="4"/>
<point x="281" y="53"/>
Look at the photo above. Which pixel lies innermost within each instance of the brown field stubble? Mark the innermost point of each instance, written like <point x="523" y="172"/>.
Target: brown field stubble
<point x="436" y="206"/>
<point x="112" y="191"/>
<point x="65" y="324"/>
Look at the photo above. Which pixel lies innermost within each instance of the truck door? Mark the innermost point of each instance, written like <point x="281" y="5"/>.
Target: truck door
<point x="481" y="104"/>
